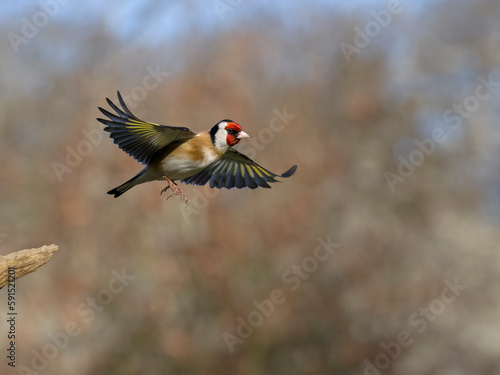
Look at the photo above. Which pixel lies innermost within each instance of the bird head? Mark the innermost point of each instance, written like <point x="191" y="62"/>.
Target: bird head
<point x="226" y="134"/>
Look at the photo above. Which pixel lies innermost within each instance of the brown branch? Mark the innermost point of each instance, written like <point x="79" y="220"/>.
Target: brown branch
<point x="24" y="261"/>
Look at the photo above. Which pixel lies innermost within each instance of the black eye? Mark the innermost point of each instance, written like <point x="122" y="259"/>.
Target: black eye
<point x="230" y="131"/>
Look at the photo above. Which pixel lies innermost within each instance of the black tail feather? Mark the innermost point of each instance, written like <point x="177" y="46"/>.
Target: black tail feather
<point x="119" y="190"/>
<point x="290" y="172"/>
<point x="115" y="192"/>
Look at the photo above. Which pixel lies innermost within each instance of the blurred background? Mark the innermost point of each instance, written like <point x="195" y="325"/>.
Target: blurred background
<point x="380" y="253"/>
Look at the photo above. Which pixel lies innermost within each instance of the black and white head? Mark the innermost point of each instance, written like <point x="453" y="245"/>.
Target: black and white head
<point x="226" y="134"/>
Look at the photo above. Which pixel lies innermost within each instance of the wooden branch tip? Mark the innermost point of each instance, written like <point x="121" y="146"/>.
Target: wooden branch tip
<point x="24" y="261"/>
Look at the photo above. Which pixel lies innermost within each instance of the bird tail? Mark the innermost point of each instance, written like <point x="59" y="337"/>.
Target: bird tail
<point x="136" y="180"/>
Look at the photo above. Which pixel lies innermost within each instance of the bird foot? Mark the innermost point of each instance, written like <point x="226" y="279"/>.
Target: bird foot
<point x="176" y="190"/>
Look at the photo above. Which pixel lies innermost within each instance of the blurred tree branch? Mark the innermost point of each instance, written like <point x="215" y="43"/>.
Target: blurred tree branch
<point x="25" y="261"/>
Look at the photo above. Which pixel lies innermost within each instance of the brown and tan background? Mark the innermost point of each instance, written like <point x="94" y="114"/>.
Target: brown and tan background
<point x="363" y="85"/>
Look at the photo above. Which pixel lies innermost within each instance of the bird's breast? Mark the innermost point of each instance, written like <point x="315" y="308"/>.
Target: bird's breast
<point x="188" y="159"/>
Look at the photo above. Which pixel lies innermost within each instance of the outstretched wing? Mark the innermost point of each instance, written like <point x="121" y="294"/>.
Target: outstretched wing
<point x="234" y="169"/>
<point x="140" y="139"/>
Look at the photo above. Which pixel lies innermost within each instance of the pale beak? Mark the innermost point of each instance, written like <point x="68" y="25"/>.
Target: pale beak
<point x="242" y="135"/>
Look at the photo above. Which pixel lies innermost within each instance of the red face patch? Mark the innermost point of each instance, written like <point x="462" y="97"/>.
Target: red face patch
<point x="232" y="129"/>
<point x="232" y="125"/>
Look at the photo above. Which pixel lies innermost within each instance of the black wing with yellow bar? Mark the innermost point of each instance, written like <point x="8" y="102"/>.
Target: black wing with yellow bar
<point x="140" y="139"/>
<point x="234" y="169"/>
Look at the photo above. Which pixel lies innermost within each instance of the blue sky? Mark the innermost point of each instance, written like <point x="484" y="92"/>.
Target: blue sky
<point x="153" y="21"/>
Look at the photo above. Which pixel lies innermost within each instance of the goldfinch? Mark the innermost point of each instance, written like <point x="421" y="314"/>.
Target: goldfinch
<point x="177" y="153"/>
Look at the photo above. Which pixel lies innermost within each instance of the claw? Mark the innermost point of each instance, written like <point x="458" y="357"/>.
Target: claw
<point x="176" y="190"/>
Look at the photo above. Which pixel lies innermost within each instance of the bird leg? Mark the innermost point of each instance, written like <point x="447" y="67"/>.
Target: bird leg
<point x="176" y="190"/>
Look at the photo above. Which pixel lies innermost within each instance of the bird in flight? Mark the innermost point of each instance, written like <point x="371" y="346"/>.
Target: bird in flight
<point x="177" y="153"/>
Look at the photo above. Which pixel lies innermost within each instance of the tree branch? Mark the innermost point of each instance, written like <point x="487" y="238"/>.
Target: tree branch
<point x="25" y="261"/>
